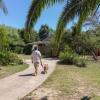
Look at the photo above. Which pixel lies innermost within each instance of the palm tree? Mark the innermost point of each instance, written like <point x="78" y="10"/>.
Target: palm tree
<point x="3" y="7"/>
<point x="73" y="8"/>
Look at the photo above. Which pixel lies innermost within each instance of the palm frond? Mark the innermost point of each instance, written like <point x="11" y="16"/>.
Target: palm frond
<point x="87" y="9"/>
<point x="35" y="11"/>
<point x="74" y="8"/>
<point x="71" y="10"/>
<point x="3" y="7"/>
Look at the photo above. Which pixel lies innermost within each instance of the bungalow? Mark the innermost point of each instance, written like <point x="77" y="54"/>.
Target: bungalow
<point x="44" y="47"/>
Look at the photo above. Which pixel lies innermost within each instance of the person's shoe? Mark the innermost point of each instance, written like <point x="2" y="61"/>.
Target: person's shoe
<point x="34" y="74"/>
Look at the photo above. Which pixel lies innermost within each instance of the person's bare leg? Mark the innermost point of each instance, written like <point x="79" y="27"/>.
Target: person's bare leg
<point x="36" y="70"/>
<point x="34" y="73"/>
<point x="36" y="65"/>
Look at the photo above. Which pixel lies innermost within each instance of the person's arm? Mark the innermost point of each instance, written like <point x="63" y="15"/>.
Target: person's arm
<point x="40" y="59"/>
<point x="32" y="57"/>
<point x="41" y="62"/>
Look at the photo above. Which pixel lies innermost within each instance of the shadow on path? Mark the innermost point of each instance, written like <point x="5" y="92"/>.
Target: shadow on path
<point x="86" y="98"/>
<point x="27" y="74"/>
<point x="44" y="98"/>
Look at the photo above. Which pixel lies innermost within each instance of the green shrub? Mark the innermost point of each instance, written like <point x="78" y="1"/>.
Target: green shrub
<point x="17" y="49"/>
<point x="28" y="49"/>
<point x="6" y="58"/>
<point x="80" y="63"/>
<point x="68" y="56"/>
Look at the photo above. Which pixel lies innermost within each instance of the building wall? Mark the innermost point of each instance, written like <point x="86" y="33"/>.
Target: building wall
<point x="42" y="48"/>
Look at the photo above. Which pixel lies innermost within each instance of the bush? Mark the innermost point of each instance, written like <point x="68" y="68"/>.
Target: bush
<point x="68" y="56"/>
<point x="28" y="49"/>
<point x="81" y="63"/>
<point x="7" y="58"/>
<point x="17" y="49"/>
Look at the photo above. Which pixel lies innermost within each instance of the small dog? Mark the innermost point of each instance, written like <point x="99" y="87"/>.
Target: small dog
<point x="45" y="66"/>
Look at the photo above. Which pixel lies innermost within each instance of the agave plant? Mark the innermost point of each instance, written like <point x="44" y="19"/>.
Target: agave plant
<point x="3" y="7"/>
<point x="73" y="8"/>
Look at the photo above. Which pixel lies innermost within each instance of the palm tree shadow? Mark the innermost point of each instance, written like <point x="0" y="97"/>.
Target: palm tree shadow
<point x="27" y="74"/>
<point x="86" y="98"/>
<point x="44" y="98"/>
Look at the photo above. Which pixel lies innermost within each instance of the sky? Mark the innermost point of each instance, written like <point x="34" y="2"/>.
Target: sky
<point x="18" y="10"/>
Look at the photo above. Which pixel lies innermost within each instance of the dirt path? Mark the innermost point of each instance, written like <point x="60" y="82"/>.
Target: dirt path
<point x="20" y="84"/>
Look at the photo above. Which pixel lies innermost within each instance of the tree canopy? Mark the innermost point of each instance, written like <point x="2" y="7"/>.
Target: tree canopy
<point x="73" y="8"/>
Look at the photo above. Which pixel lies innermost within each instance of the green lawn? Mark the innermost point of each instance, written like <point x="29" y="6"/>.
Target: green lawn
<point x="8" y="70"/>
<point x="72" y="83"/>
<point x="11" y="69"/>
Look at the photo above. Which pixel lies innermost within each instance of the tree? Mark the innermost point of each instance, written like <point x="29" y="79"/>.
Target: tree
<point x="10" y="39"/>
<point x="44" y="32"/>
<point x="83" y="43"/>
<point x="73" y="8"/>
<point x="27" y="38"/>
<point x="4" y="41"/>
<point x="12" y="34"/>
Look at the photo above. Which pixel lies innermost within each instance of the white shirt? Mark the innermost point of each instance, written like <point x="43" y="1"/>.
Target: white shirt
<point x="36" y="55"/>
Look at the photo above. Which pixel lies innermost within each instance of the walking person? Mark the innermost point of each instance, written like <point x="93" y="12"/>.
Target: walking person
<point x="36" y="58"/>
